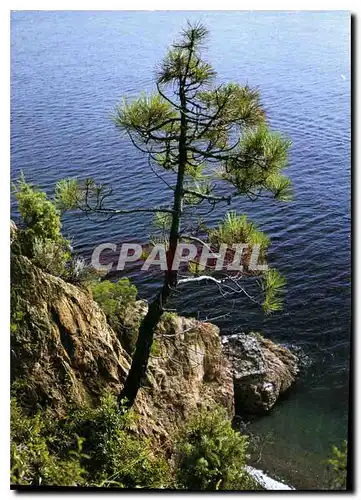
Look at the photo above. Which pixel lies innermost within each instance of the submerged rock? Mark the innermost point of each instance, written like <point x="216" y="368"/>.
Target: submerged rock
<point x="262" y="371"/>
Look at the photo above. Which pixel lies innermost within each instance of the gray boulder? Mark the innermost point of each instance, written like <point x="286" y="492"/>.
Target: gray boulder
<point x="262" y="371"/>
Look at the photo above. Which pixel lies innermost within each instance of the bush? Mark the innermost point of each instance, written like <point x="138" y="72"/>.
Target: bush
<point x="40" y="238"/>
<point x="32" y="461"/>
<point x="115" y="300"/>
<point x="50" y="452"/>
<point x="117" y="457"/>
<point x="78" y="272"/>
<point x="51" y="256"/>
<point x="337" y="465"/>
<point x="210" y="455"/>
<point x="100" y="447"/>
<point x="40" y="216"/>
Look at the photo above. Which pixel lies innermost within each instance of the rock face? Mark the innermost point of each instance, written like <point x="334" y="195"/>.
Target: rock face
<point x="62" y="347"/>
<point x="188" y="370"/>
<point x="64" y="351"/>
<point x="262" y="371"/>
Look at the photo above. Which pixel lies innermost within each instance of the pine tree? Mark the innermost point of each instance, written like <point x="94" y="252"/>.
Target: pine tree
<point x="206" y="135"/>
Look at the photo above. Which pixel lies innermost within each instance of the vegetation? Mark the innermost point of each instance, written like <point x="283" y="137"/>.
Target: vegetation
<point x="204" y="135"/>
<point x="337" y="464"/>
<point x="33" y="462"/>
<point x="210" y="455"/>
<point x="236" y="229"/>
<point x="99" y="447"/>
<point x="40" y="237"/>
<point x="52" y="453"/>
<point x="39" y="215"/>
<point x="115" y="299"/>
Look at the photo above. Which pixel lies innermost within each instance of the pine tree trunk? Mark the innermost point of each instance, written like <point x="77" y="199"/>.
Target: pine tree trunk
<point x="149" y="324"/>
<point x="141" y="355"/>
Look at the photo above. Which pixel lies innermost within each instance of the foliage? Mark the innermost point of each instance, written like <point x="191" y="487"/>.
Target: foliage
<point x="51" y="256"/>
<point x="239" y="104"/>
<point x="236" y="229"/>
<point x="273" y="287"/>
<point x="264" y="156"/>
<point x="144" y="110"/>
<point x="156" y="349"/>
<point x="114" y="297"/>
<point x="33" y="462"/>
<point x="337" y="464"/>
<point x="99" y="446"/>
<point x="80" y="273"/>
<point x="49" y="452"/>
<point x="116" y="300"/>
<point x="40" y="238"/>
<point x="210" y="455"/>
<point x="162" y="220"/>
<point x="67" y="194"/>
<point x="117" y="457"/>
<point x="39" y="214"/>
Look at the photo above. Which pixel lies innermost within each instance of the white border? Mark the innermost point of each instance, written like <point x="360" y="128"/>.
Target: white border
<point x="5" y="172"/>
<point x="181" y="6"/>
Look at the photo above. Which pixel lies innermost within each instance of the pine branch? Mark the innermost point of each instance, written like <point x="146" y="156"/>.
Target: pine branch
<point x="201" y="242"/>
<point x="223" y="288"/>
<point x="161" y="125"/>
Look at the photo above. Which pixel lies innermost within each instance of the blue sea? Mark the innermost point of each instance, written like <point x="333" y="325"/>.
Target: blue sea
<point x="69" y="69"/>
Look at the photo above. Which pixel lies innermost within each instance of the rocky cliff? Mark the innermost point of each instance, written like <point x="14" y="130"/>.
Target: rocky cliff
<point x="64" y="351"/>
<point x="62" y="347"/>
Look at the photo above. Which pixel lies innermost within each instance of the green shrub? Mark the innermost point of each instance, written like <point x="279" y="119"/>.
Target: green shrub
<point x="337" y="465"/>
<point x="100" y="447"/>
<point x="116" y="456"/>
<point x="115" y="300"/>
<point x="39" y="215"/>
<point x="40" y="236"/>
<point x="32" y="461"/>
<point x="48" y="451"/>
<point x="210" y="455"/>
<point x="51" y="256"/>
